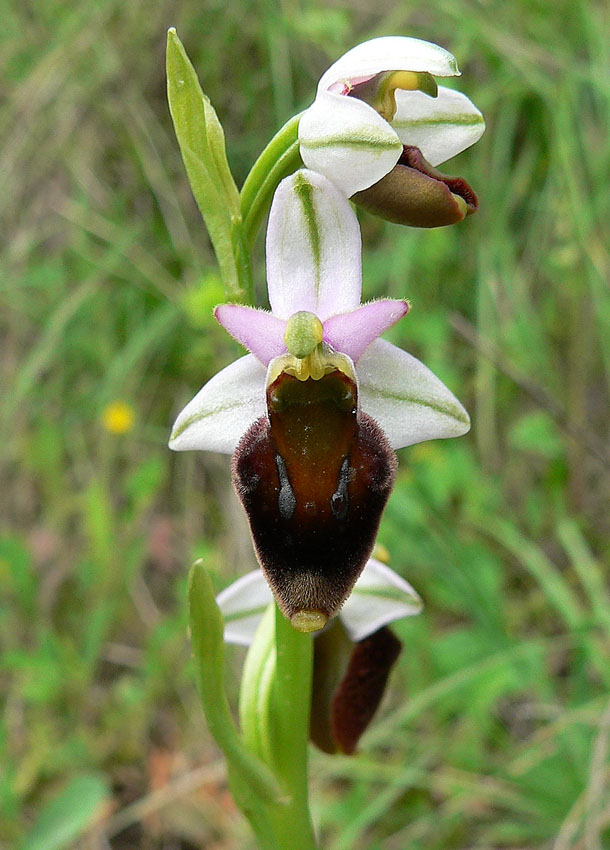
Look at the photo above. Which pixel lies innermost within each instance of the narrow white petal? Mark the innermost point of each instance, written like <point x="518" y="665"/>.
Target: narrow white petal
<point x="313" y="248"/>
<point x="440" y="127"/>
<point x="242" y="605"/>
<point x="379" y="597"/>
<point x="407" y="400"/>
<point x="390" y="53"/>
<point x="348" y="141"/>
<point x="223" y="410"/>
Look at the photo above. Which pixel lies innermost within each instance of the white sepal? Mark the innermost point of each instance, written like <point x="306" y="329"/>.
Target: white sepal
<point x="313" y="249"/>
<point x="390" y="53"/>
<point x="379" y="597"/>
<point x="242" y="605"/>
<point x="406" y="399"/>
<point x="440" y="127"/>
<point x="348" y="141"/>
<point x="223" y="410"/>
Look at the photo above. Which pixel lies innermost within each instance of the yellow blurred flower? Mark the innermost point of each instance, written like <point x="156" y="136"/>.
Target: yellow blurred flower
<point x="118" y="417"/>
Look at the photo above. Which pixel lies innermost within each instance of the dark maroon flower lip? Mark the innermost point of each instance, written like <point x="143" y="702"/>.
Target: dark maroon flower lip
<point x="348" y="685"/>
<point x="416" y="194"/>
<point x="412" y="157"/>
<point x="313" y="476"/>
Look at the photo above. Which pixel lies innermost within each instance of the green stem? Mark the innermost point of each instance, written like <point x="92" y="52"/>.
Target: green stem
<point x="291" y="823"/>
<point x="274" y="715"/>
<point x="294" y="669"/>
<point x="279" y="159"/>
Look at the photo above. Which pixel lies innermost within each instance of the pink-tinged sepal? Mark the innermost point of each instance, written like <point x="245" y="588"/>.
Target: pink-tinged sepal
<point x="257" y="330"/>
<point x="352" y="333"/>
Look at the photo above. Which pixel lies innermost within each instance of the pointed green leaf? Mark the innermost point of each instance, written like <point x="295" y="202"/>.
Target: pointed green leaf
<point x="202" y="145"/>
<point x="207" y="630"/>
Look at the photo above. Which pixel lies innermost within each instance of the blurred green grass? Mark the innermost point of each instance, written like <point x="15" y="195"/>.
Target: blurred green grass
<point x="496" y="730"/>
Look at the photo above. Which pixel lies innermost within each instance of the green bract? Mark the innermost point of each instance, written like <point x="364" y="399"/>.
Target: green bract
<point x="202" y="144"/>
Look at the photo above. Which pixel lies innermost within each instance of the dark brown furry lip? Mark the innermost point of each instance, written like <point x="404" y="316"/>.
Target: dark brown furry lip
<point x="412" y="157"/>
<point x="348" y="685"/>
<point x="416" y="194"/>
<point x="314" y="477"/>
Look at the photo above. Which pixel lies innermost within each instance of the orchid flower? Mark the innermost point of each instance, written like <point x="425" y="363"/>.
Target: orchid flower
<point x="313" y="413"/>
<point x="380" y="124"/>
<point x="353" y="655"/>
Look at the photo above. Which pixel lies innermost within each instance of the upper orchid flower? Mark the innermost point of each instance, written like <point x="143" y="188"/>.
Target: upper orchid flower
<point x="353" y="655"/>
<point x="379" y="125"/>
<point x="313" y="413"/>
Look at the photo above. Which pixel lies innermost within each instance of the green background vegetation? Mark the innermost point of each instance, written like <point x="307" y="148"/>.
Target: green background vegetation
<point x="495" y="733"/>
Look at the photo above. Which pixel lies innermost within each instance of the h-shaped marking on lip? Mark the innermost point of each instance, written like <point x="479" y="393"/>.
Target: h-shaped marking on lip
<point x="287" y="501"/>
<point x="338" y="500"/>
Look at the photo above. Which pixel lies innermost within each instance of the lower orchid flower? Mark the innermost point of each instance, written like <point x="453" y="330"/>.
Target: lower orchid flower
<point x="353" y="654"/>
<point x="312" y="415"/>
<point x="379" y="125"/>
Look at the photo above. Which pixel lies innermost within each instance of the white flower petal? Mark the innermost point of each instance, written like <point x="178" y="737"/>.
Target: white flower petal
<point x="348" y="141"/>
<point x="223" y="410"/>
<point x="440" y="127"/>
<point x="313" y="249"/>
<point x="242" y="605"/>
<point x="379" y="597"/>
<point x="407" y="400"/>
<point x="390" y="53"/>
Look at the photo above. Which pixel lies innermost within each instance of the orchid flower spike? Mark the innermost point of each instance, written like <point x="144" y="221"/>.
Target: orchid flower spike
<point x="313" y="413"/>
<point x="353" y="654"/>
<point x="380" y="124"/>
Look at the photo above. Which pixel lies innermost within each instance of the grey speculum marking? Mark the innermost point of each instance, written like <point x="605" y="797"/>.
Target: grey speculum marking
<point x="338" y="500"/>
<point x="286" y="500"/>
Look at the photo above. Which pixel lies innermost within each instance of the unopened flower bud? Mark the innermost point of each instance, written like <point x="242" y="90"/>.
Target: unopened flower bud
<point x="417" y="194"/>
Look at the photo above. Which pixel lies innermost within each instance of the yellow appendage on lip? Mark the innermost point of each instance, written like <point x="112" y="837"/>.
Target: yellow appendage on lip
<point x="308" y="621"/>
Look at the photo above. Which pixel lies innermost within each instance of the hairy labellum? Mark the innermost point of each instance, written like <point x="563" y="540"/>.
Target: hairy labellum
<point x="313" y="477"/>
<point x="349" y="680"/>
<point x="417" y="194"/>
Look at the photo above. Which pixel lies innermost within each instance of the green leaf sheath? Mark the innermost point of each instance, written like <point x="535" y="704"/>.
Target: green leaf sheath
<point x="256" y="691"/>
<point x="202" y="145"/>
<point x="207" y="629"/>
<point x="274" y="713"/>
